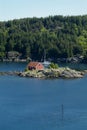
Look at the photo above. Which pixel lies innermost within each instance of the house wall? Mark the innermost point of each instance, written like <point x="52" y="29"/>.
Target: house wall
<point x="39" y="67"/>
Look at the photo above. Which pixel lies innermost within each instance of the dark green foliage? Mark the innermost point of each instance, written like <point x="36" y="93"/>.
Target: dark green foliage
<point x="59" y="36"/>
<point x="53" y="66"/>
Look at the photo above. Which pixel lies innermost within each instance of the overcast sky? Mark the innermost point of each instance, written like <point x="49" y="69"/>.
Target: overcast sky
<point x="15" y="9"/>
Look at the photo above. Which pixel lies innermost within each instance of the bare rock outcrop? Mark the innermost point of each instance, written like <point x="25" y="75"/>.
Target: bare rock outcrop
<point x="53" y="73"/>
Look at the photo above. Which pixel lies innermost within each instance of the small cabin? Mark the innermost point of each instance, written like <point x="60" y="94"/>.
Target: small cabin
<point x="35" y="66"/>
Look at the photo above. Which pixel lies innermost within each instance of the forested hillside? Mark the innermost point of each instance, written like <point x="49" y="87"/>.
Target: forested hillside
<point x="57" y="36"/>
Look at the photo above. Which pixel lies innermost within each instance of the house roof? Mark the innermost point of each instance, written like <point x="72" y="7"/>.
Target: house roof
<point x="33" y="64"/>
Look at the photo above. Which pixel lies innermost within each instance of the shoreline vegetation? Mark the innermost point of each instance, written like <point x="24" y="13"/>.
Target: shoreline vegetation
<point x="73" y="59"/>
<point x="64" y="73"/>
<point x="59" y="38"/>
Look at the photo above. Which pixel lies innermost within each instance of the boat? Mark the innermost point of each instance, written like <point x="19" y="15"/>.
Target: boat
<point x="45" y="62"/>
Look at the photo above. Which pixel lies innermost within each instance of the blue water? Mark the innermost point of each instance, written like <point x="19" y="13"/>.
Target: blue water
<point x="74" y="66"/>
<point x="36" y="104"/>
<point x="12" y="66"/>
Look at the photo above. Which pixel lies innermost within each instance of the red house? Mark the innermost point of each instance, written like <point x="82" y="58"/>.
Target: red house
<point x="35" y="66"/>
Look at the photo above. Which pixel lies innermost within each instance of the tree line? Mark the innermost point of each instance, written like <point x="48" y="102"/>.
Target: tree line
<point x="57" y="36"/>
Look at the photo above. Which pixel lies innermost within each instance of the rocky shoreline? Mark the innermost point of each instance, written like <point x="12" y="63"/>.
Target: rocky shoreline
<point x="66" y="73"/>
<point x="53" y="73"/>
<point x="10" y="73"/>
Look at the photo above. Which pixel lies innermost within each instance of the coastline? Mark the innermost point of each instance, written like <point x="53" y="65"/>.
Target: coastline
<point x="66" y="73"/>
<point x="63" y="73"/>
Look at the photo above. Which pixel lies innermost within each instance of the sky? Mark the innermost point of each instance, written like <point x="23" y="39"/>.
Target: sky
<point x="16" y="9"/>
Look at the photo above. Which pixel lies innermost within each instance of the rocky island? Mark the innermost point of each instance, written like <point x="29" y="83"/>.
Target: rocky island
<point x="53" y="73"/>
<point x="66" y="73"/>
<point x="37" y="70"/>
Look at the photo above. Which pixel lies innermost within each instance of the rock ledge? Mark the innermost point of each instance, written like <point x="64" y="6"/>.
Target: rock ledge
<point x="53" y="73"/>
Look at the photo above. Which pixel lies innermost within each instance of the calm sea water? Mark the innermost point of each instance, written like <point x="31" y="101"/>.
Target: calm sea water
<point x="36" y="104"/>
